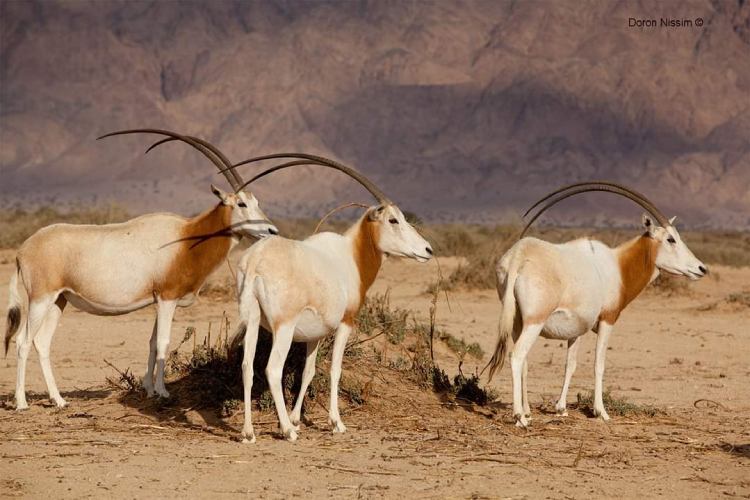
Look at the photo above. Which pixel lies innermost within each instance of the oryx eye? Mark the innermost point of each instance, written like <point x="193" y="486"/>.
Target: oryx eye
<point x="242" y="204"/>
<point x="393" y="221"/>
<point x="671" y="240"/>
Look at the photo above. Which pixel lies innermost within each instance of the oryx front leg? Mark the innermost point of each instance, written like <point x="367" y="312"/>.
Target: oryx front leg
<point x="307" y="375"/>
<point x="164" y="316"/>
<point x="337" y="357"/>
<point x="37" y="312"/>
<point x="42" y="342"/>
<point x="570" y="368"/>
<point x="527" y="338"/>
<point x="282" y="340"/>
<point x="601" y="352"/>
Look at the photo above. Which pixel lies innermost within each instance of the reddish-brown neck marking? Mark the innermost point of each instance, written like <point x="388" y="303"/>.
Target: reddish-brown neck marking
<point x="203" y="244"/>
<point x="637" y="260"/>
<point x="368" y="258"/>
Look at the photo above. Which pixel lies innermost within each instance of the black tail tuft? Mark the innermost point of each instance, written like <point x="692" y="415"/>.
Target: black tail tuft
<point x="14" y="321"/>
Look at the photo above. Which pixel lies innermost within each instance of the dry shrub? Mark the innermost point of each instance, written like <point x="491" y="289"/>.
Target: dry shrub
<point x="208" y="376"/>
<point x="741" y="299"/>
<point x="670" y="286"/>
<point x="615" y="406"/>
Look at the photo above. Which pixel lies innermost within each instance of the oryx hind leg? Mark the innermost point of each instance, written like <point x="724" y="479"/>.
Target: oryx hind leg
<point x="164" y="318"/>
<point x="526" y="339"/>
<point x="148" y="379"/>
<point x="38" y="308"/>
<point x="307" y="375"/>
<point x="43" y="341"/>
<point x="282" y="341"/>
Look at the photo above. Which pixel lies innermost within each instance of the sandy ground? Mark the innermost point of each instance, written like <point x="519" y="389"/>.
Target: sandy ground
<point x="667" y="351"/>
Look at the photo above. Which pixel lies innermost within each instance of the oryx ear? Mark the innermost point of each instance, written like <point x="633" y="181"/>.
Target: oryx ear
<point x="671" y="221"/>
<point x="219" y="194"/>
<point x="648" y="224"/>
<point x="376" y="213"/>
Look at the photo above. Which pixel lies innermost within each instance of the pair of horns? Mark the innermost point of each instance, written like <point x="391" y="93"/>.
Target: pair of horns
<point x="307" y="159"/>
<point x="234" y="178"/>
<point x="583" y="187"/>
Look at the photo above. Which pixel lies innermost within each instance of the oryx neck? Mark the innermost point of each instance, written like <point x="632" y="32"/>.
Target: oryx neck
<point x="637" y="260"/>
<point x="364" y="236"/>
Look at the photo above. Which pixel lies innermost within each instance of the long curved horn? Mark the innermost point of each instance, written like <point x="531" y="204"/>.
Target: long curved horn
<point x="593" y="186"/>
<point x="316" y="160"/>
<point x="587" y="183"/>
<point x="204" y="147"/>
<point x="228" y="164"/>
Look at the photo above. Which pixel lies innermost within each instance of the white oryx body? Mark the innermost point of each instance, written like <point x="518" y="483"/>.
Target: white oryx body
<point x="118" y="268"/>
<point x="115" y="269"/>
<point x="305" y="290"/>
<point x="561" y="291"/>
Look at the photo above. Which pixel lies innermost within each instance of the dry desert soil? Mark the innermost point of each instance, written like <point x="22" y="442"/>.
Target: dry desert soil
<point x="685" y="354"/>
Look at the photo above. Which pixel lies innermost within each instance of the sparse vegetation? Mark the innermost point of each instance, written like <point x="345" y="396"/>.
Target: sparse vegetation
<point x="614" y="406"/>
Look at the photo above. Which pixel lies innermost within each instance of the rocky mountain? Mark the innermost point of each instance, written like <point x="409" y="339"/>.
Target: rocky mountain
<point x="460" y="110"/>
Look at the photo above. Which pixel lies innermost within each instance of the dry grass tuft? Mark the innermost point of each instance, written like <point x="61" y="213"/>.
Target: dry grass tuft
<point x="614" y="406"/>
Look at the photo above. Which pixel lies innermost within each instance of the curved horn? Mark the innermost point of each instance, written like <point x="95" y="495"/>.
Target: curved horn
<point x="228" y="168"/>
<point x="587" y="183"/>
<point x="210" y="151"/>
<point x="608" y="187"/>
<point x="316" y="160"/>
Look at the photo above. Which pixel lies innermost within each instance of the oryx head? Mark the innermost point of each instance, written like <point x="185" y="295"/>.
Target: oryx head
<point x="396" y="236"/>
<point x="673" y="255"/>
<point x="247" y="218"/>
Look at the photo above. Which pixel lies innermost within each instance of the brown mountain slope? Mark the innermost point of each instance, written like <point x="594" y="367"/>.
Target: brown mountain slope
<point x="461" y="110"/>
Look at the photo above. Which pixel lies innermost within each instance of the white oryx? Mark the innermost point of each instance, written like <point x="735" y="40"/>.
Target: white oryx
<point x="115" y="269"/>
<point x="561" y="291"/>
<point x="305" y="290"/>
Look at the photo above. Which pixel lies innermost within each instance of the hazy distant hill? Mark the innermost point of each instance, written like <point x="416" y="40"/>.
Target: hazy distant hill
<point x="460" y="110"/>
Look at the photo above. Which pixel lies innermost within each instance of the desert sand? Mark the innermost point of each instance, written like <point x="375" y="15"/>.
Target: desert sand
<point x="685" y="354"/>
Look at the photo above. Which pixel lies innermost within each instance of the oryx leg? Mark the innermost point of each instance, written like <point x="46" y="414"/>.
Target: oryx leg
<point x="570" y="368"/>
<point x="526" y="339"/>
<point x="42" y="342"/>
<point x="525" y="390"/>
<point x="307" y="375"/>
<point x="282" y="341"/>
<point x="337" y="358"/>
<point x="38" y="309"/>
<point x="601" y="352"/>
<point x="148" y="379"/>
<point x="164" y="316"/>
<point x="250" y="314"/>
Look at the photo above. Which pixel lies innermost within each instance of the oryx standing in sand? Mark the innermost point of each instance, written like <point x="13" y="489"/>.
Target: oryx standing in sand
<point x="306" y="290"/>
<point x="115" y="269"/>
<point x="561" y="291"/>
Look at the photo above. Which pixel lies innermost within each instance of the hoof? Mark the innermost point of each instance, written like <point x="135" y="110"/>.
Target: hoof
<point x="162" y="393"/>
<point x="60" y="402"/>
<point x="248" y="439"/>
<point x="291" y="435"/>
<point x="22" y="406"/>
<point x="561" y="411"/>
<point x="602" y="415"/>
<point x="522" y="421"/>
<point x="338" y="426"/>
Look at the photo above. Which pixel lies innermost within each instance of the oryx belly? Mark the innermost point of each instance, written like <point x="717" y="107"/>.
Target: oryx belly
<point x="564" y="324"/>
<point x="311" y="326"/>
<point x="106" y="309"/>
